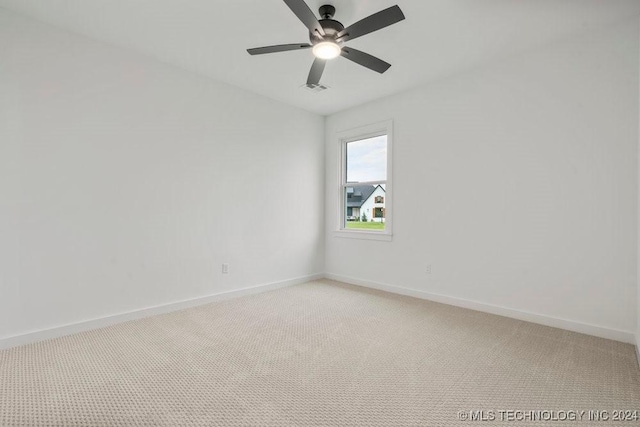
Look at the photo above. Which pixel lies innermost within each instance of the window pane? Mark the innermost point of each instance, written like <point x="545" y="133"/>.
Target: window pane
<point x="367" y="160"/>
<point x="364" y="207"/>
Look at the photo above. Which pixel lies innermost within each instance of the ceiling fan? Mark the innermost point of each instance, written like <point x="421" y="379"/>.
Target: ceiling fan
<point x="327" y="37"/>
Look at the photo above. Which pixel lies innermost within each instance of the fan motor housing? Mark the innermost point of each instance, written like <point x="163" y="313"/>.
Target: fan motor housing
<point x="331" y="29"/>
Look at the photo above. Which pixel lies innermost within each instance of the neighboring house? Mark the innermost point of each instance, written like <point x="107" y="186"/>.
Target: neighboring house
<point x="367" y="199"/>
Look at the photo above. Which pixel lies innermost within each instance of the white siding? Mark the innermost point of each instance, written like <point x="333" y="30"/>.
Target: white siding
<point x="369" y="205"/>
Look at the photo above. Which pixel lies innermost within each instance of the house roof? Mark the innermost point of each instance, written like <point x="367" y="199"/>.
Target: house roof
<point x="360" y="195"/>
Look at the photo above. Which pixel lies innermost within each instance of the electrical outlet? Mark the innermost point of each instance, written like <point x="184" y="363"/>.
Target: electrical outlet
<point x="225" y="268"/>
<point x="428" y="269"/>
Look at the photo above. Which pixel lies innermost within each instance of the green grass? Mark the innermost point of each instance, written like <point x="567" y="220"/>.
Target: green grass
<point x="357" y="225"/>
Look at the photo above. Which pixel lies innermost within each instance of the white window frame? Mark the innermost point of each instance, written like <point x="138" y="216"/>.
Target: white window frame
<point x="357" y="134"/>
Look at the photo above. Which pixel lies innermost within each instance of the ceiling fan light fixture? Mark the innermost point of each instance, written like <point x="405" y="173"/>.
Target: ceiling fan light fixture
<point x="326" y="37"/>
<point x="327" y="50"/>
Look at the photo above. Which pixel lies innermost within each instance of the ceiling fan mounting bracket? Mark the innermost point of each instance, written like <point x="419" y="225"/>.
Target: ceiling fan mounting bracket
<point x="327" y="11"/>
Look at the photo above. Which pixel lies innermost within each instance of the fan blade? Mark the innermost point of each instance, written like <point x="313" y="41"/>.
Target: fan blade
<point x="302" y="11"/>
<point x="278" y="48"/>
<point x="372" y="23"/>
<point x="365" y="59"/>
<point x="316" y="72"/>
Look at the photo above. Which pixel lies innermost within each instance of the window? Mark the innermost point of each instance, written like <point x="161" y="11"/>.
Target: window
<point x="365" y="182"/>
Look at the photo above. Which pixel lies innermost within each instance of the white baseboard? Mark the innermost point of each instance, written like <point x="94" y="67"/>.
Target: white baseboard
<point x="45" y="334"/>
<point x="584" y="328"/>
<point x="570" y="325"/>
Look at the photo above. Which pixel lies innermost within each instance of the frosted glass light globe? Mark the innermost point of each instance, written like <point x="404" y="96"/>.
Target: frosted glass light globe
<point x="326" y="50"/>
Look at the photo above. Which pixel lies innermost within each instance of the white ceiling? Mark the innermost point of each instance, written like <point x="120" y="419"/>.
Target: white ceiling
<point x="438" y="38"/>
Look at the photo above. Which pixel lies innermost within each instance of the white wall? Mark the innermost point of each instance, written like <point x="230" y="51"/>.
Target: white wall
<point x="125" y="183"/>
<point x="517" y="181"/>
<point x="638" y="244"/>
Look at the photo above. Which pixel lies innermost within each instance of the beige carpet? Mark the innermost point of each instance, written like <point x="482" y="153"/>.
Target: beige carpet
<point x="320" y="354"/>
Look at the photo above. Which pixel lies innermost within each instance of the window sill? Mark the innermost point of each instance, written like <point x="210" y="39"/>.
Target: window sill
<point x="363" y="235"/>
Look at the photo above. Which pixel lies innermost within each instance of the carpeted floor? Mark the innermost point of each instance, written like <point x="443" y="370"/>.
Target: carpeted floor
<point x="322" y="354"/>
